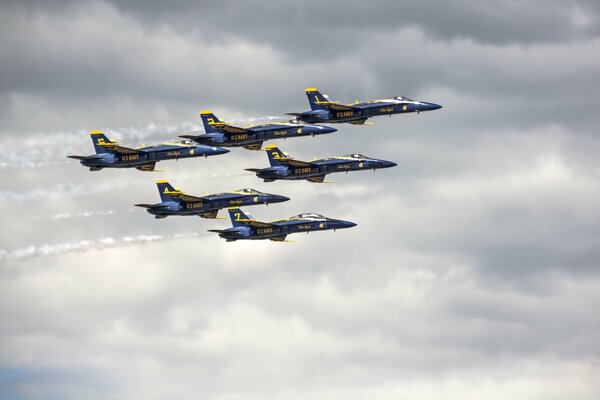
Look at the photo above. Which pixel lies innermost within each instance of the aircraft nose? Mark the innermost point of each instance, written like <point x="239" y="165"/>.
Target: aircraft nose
<point x="327" y="129"/>
<point x="320" y="129"/>
<point x="348" y="224"/>
<point x="220" y="150"/>
<point x="387" y="164"/>
<point x="429" y="106"/>
<point x="275" y="198"/>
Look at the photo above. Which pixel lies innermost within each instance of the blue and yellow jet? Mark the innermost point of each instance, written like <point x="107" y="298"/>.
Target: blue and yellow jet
<point x="110" y="154"/>
<point x="323" y="110"/>
<point x="247" y="228"/>
<point x="175" y="202"/>
<point x="220" y="133"/>
<point x="287" y="168"/>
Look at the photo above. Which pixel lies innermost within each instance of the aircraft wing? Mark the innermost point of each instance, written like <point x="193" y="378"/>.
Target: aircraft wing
<point x="185" y="197"/>
<point x="295" y="163"/>
<point x="256" y="224"/>
<point x="222" y="126"/>
<point x="336" y="106"/>
<point x="119" y="149"/>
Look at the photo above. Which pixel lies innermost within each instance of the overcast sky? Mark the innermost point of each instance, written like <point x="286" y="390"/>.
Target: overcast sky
<point x="473" y="272"/>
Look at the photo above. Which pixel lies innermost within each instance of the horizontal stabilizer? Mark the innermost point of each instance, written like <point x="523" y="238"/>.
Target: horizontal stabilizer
<point x="253" y="169"/>
<point x="152" y="206"/>
<point x="84" y="158"/>
<point x="216" y="230"/>
<point x="191" y="137"/>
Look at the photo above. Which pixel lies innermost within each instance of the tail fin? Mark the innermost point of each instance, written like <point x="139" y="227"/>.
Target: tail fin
<point x="274" y="155"/>
<point x="315" y="97"/>
<point x="99" y="139"/>
<point x="166" y="190"/>
<point x="208" y="118"/>
<point x="237" y="215"/>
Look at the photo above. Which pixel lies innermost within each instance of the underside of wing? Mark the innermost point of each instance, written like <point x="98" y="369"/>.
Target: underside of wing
<point x="210" y="215"/>
<point x="146" y="167"/>
<point x="253" y="146"/>
<point x="359" y="121"/>
<point x="317" y="179"/>
<point x="278" y="238"/>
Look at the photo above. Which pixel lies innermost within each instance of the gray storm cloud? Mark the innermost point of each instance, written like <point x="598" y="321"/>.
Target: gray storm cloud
<point x="474" y="268"/>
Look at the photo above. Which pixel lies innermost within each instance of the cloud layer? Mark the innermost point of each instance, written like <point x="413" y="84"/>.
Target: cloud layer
<point x="473" y="271"/>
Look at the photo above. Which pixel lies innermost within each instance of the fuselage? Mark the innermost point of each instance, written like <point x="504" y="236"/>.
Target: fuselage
<point x="149" y="155"/>
<point x="360" y="112"/>
<point x="281" y="228"/>
<point x="354" y="162"/>
<point x="261" y="133"/>
<point x="211" y="204"/>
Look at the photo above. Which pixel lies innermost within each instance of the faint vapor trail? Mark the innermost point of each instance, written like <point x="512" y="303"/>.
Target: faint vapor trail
<point x="80" y="214"/>
<point x="82" y="246"/>
<point x="5" y="166"/>
<point x="69" y="189"/>
<point x="41" y="150"/>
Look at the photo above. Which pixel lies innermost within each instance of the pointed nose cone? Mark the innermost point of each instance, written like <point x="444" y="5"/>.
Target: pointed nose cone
<point x="387" y="164"/>
<point x="328" y="129"/>
<point x="348" y="224"/>
<point x="319" y="129"/>
<point x="275" y="198"/>
<point x="424" y="106"/>
<point x="219" y="150"/>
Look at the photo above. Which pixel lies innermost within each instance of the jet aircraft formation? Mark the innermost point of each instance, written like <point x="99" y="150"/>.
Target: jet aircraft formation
<point x="219" y="136"/>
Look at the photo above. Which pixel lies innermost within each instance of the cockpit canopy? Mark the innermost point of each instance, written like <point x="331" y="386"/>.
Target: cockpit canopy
<point x="401" y="98"/>
<point x="356" y="155"/>
<point x="311" y="216"/>
<point x="248" y="191"/>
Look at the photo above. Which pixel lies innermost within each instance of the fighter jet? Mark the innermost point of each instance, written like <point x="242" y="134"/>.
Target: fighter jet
<point x="285" y="167"/>
<point x="175" y="202"/>
<point x="110" y="154"/>
<point x="220" y="133"/>
<point x="324" y="110"/>
<point x="247" y="228"/>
